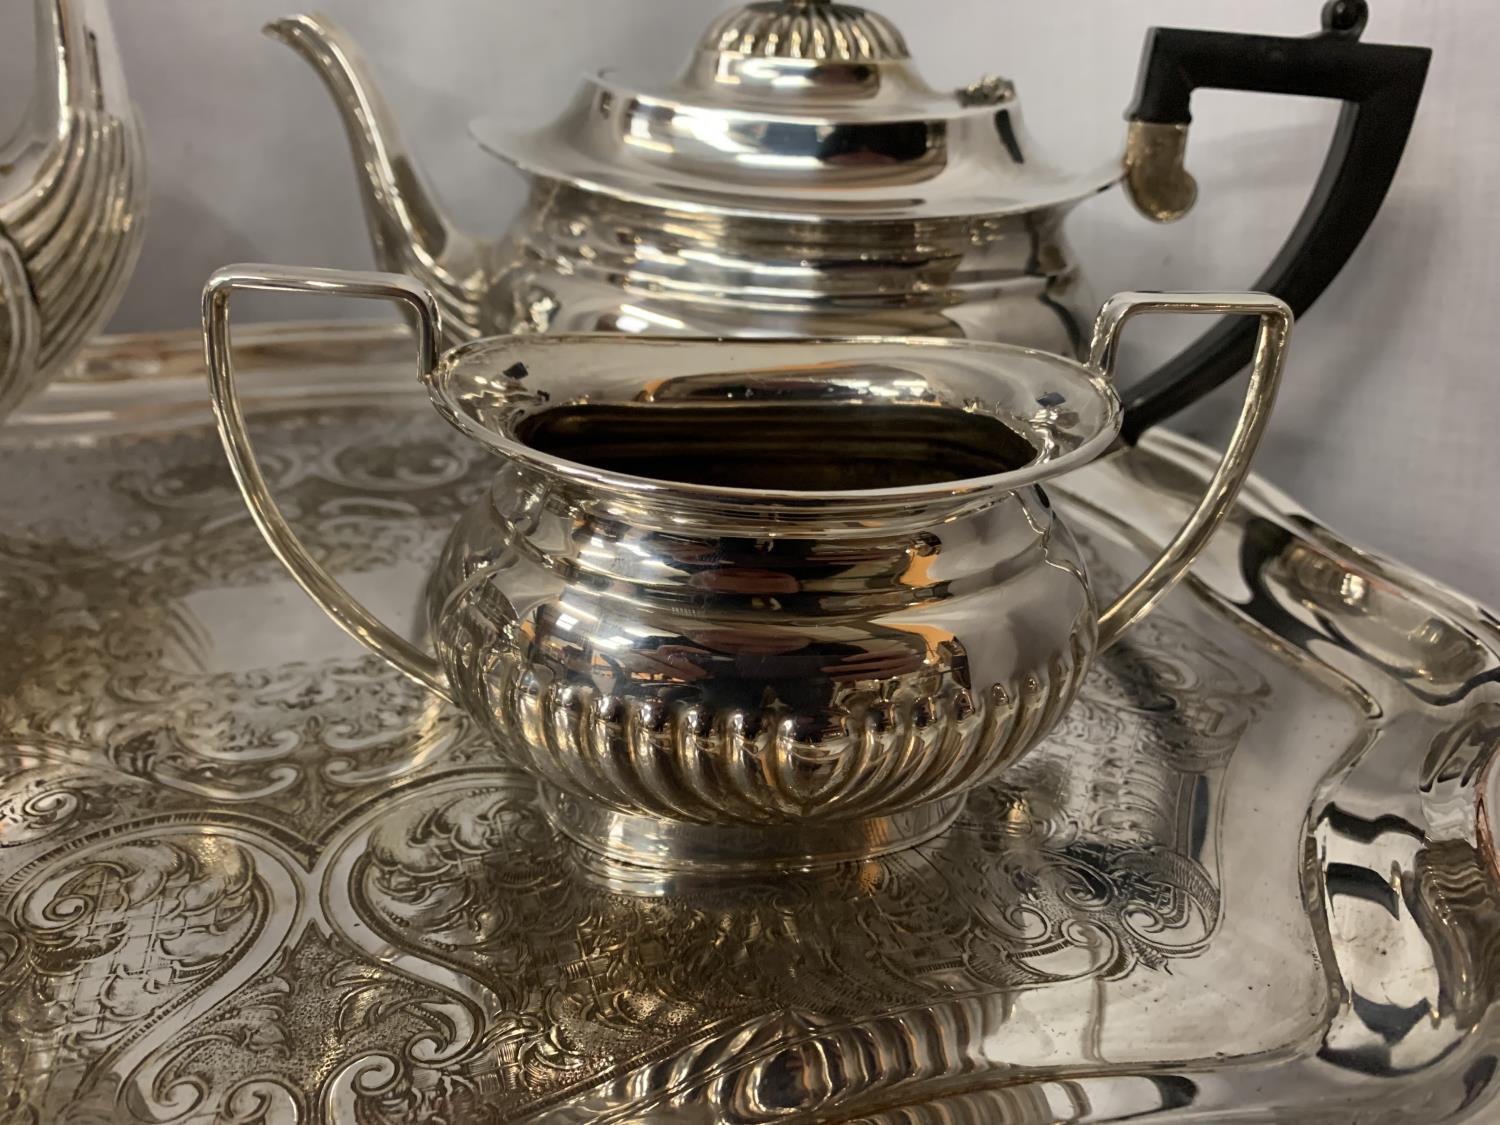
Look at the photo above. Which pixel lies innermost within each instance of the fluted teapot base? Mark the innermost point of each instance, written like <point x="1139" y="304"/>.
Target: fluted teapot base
<point x="649" y="844"/>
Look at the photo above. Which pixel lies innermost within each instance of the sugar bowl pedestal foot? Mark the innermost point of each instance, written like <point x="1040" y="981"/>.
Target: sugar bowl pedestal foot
<point x="679" y="847"/>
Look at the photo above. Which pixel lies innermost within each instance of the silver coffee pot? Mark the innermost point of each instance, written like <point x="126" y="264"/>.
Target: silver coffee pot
<point x="72" y="199"/>
<point x="799" y="177"/>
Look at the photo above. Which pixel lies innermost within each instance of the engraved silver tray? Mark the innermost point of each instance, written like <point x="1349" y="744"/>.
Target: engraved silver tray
<point x="249" y="874"/>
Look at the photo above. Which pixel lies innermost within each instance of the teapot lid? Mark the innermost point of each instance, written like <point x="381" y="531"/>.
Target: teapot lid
<point x="798" y="109"/>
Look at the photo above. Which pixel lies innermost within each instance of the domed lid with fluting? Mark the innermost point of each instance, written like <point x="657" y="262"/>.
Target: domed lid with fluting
<point x="798" y="109"/>
<point x="805" y="29"/>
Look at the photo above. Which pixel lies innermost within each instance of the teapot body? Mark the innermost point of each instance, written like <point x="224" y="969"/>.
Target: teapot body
<point x="854" y="680"/>
<point x="582" y="261"/>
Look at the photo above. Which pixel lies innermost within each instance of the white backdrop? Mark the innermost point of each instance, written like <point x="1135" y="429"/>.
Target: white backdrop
<point x="1385" y="428"/>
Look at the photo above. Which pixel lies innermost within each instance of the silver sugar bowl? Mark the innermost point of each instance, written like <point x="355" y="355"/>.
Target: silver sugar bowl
<point x="799" y="177"/>
<point x="749" y="602"/>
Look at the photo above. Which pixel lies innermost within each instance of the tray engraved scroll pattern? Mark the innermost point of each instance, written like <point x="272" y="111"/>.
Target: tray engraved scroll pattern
<point x="249" y="874"/>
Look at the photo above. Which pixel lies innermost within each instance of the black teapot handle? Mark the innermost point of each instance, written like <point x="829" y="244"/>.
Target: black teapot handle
<point x="1380" y="86"/>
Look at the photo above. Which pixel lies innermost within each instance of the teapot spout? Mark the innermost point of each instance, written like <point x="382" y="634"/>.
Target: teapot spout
<point x="407" y="227"/>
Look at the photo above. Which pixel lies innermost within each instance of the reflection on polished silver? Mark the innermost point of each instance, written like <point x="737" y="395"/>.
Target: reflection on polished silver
<point x="775" y="585"/>
<point x="72" y="199"/>
<point x="247" y="869"/>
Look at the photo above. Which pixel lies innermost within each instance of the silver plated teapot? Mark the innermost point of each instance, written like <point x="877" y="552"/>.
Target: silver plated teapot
<point x="799" y="177"/>
<point x="72" y="199"/>
<point x="757" y="601"/>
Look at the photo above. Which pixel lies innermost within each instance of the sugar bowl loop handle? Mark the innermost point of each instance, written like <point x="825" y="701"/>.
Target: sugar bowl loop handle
<point x="1266" y="364"/>
<point x="352" y="617"/>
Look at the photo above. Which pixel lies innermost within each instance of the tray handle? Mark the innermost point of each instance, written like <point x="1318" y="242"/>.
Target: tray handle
<point x="1269" y="358"/>
<point x="334" y="600"/>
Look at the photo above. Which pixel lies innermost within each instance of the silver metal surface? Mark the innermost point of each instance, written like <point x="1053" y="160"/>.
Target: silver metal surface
<point x="72" y="199"/>
<point x="780" y="586"/>
<point x="248" y="871"/>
